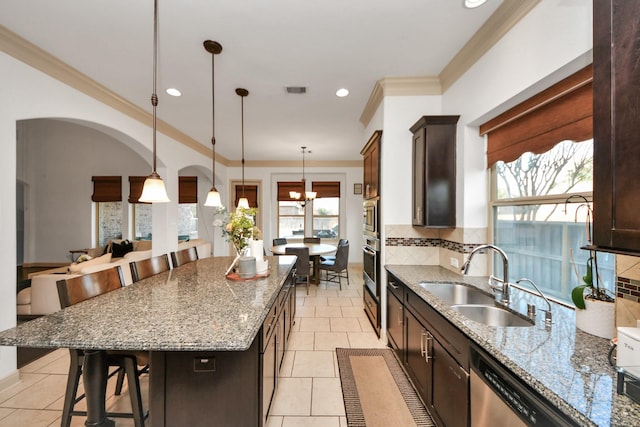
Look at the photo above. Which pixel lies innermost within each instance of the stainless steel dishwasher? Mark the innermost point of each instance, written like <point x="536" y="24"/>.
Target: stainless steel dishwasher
<point x="500" y="398"/>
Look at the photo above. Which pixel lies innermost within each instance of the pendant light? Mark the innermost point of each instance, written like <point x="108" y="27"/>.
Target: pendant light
<point x="243" y="202"/>
<point x="154" y="190"/>
<point x="308" y="195"/>
<point x="213" y="198"/>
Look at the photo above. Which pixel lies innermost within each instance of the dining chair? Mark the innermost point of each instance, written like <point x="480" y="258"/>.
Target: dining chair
<point x="333" y="257"/>
<point x="302" y="267"/>
<point x="148" y="267"/>
<point x="279" y="241"/>
<point x="75" y="290"/>
<point x="310" y="240"/>
<point x="337" y="269"/>
<point x="184" y="256"/>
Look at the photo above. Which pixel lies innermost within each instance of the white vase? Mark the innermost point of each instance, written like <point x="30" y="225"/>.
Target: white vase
<point x="599" y="318"/>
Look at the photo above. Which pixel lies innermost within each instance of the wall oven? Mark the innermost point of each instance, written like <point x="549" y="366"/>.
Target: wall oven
<point x="370" y="218"/>
<point x="370" y="262"/>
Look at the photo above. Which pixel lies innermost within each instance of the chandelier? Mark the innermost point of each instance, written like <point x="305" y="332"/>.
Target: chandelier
<point x="308" y="195"/>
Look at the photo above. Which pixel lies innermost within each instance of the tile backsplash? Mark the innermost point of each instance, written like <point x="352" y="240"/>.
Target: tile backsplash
<point x="627" y="290"/>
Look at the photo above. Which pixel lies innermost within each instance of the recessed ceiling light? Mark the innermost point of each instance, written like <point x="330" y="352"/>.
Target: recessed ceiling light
<point x="341" y="93"/>
<point x="173" y="91"/>
<point x="470" y="4"/>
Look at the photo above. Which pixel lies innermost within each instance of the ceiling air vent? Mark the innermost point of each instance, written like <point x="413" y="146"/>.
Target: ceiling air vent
<point x="296" y="89"/>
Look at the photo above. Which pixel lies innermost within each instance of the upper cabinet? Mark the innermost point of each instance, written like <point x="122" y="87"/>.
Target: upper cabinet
<point x="371" y="153"/>
<point x="434" y="171"/>
<point x="616" y="125"/>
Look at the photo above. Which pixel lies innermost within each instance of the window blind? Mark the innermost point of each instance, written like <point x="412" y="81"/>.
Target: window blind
<point x="107" y="188"/>
<point x="284" y="187"/>
<point x="326" y="188"/>
<point x="135" y="188"/>
<point x="564" y="111"/>
<point x="187" y="189"/>
<point x="250" y="192"/>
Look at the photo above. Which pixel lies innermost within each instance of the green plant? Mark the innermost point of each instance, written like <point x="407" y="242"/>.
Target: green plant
<point x="238" y="227"/>
<point x="590" y="287"/>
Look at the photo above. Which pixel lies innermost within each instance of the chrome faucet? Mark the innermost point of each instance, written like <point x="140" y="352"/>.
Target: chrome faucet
<point x="504" y="288"/>
<point x="547" y="313"/>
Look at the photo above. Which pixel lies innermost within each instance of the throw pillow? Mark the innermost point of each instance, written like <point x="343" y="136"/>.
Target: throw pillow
<point x="118" y="250"/>
<point x="75" y="268"/>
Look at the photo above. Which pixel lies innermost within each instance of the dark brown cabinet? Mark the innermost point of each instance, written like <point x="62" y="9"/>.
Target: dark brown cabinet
<point x="371" y="154"/>
<point x="434" y="353"/>
<point x="434" y="171"/>
<point x="616" y="128"/>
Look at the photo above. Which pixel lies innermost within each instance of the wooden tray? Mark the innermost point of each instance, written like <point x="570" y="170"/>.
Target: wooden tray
<point x="236" y="277"/>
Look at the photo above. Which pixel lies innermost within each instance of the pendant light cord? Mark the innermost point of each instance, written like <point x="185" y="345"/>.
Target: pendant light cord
<point x="242" y="136"/>
<point x="154" y="96"/>
<point x="213" y="121"/>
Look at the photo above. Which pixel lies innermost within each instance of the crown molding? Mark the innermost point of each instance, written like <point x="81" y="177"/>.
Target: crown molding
<point x="503" y="19"/>
<point x="296" y="163"/>
<point x="25" y="51"/>
<point x="398" y="86"/>
<point x="499" y="23"/>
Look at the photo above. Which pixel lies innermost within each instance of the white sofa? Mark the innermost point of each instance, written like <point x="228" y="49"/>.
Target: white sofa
<point x="42" y="297"/>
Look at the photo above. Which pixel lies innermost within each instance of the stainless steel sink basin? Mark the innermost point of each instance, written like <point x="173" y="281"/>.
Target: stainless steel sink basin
<point x="491" y="315"/>
<point x="456" y="293"/>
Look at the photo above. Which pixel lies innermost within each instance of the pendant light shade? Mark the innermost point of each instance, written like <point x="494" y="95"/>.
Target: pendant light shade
<point x="243" y="202"/>
<point x="213" y="198"/>
<point x="154" y="190"/>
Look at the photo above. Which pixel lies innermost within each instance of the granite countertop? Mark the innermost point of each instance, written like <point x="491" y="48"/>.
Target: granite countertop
<point x="567" y="366"/>
<point x="190" y="308"/>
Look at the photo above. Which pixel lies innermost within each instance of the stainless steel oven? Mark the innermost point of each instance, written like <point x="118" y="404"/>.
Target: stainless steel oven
<point x="371" y="268"/>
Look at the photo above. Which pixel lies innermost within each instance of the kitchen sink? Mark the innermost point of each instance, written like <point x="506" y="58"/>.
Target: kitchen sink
<point x="457" y="293"/>
<point x="491" y="315"/>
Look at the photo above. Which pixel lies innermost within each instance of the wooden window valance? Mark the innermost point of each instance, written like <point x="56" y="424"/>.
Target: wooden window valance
<point x="187" y="189"/>
<point x="326" y="188"/>
<point x="285" y="187"/>
<point x="562" y="112"/>
<point x="135" y="188"/>
<point x="107" y="188"/>
<point x="250" y="192"/>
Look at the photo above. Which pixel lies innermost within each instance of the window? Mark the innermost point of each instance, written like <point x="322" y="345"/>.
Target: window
<point x="326" y="210"/>
<point x="291" y="212"/>
<point x="107" y="195"/>
<point x="541" y="234"/>
<point x="141" y="213"/>
<point x="187" y="207"/>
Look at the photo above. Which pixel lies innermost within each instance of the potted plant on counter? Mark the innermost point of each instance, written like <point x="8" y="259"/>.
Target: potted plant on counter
<point x="595" y="308"/>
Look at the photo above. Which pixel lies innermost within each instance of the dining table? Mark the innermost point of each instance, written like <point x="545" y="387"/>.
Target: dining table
<point x="316" y="250"/>
<point x="182" y="317"/>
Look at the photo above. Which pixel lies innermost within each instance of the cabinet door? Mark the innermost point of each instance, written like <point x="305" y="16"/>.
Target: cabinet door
<point x="268" y="376"/>
<point x="440" y="176"/>
<point x="418" y="178"/>
<point x="395" y="325"/>
<point x="450" y="390"/>
<point x="616" y="83"/>
<point x="375" y="170"/>
<point x="418" y="350"/>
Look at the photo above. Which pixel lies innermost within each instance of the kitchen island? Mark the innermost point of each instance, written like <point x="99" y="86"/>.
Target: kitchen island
<point x="568" y="367"/>
<point x="207" y="337"/>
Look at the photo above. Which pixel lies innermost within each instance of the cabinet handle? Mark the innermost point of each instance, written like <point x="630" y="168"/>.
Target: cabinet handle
<point x="400" y="318"/>
<point x="455" y="373"/>
<point x="424" y="345"/>
<point x="393" y="286"/>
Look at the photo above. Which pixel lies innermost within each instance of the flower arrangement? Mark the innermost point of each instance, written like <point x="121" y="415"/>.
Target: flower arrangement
<point x="238" y="227"/>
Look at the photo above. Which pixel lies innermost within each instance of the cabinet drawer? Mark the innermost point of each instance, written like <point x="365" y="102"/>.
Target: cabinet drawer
<point x="454" y="341"/>
<point x="395" y="287"/>
<point x="269" y="325"/>
<point x="370" y="307"/>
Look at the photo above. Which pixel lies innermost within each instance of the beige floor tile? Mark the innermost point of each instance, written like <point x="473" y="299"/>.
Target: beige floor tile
<point x="315" y="324"/>
<point x="300" y="341"/>
<point x="330" y="341"/>
<point x="26" y="380"/>
<point x="353" y="312"/>
<point x="328" y="312"/>
<point x="345" y="324"/>
<point x="356" y="301"/>
<point x="364" y="340"/>
<point x="29" y="417"/>
<point x="59" y="366"/>
<point x="327" y="397"/>
<point x="40" y="365"/>
<point x="5" y="412"/>
<point x="311" y="422"/>
<point x="302" y="311"/>
<point x="366" y="325"/>
<point x="39" y="395"/>
<point x="350" y="293"/>
<point x="324" y="292"/>
<point x="313" y="364"/>
<point x="274" y="421"/>
<point x="339" y="301"/>
<point x="315" y="301"/>
<point x="343" y="422"/>
<point x="293" y="397"/>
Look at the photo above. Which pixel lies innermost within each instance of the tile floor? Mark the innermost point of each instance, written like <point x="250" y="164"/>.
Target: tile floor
<point x="309" y="393"/>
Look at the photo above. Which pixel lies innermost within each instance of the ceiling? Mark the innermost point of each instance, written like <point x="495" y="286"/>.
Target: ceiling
<point x="267" y="45"/>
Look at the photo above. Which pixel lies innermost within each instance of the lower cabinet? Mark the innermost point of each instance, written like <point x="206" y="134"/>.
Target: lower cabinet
<point x="434" y="353"/>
